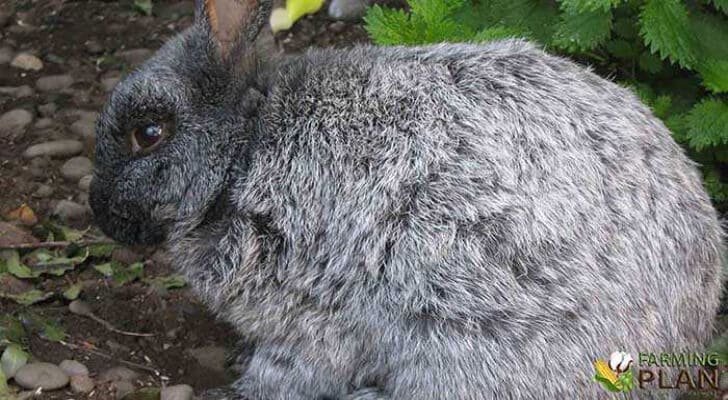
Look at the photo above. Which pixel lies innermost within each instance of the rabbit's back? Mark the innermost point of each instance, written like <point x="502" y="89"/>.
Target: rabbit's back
<point x="466" y="203"/>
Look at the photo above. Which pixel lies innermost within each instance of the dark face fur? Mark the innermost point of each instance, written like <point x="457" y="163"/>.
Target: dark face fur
<point x="187" y="93"/>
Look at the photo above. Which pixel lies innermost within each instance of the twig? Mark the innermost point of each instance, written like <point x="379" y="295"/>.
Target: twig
<point x="79" y="307"/>
<point x="109" y="357"/>
<point x="50" y="245"/>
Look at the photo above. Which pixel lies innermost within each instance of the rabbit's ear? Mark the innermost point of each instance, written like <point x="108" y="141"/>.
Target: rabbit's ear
<point x="232" y="23"/>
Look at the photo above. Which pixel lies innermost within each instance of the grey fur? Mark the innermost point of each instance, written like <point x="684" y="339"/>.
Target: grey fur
<point x="443" y="222"/>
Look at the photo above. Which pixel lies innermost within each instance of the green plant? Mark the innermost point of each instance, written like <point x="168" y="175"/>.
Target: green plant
<point x="672" y="53"/>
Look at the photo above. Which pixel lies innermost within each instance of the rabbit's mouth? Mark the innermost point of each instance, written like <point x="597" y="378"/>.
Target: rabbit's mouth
<point x="125" y="227"/>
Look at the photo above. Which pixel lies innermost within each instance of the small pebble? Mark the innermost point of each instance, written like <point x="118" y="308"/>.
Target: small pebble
<point x="14" y="122"/>
<point x="134" y="56"/>
<point x="109" y="83"/>
<point x="93" y="47"/>
<point x="41" y="375"/>
<point x="6" y="55"/>
<point x="82" y="384"/>
<point x="27" y="62"/>
<point x="69" y="210"/>
<point x="47" y="110"/>
<point x="55" y="148"/>
<point x="117" y="374"/>
<point x="122" y="388"/>
<point x="53" y="83"/>
<point x="126" y="255"/>
<point x="43" y="191"/>
<point x="43" y="123"/>
<point x="177" y="392"/>
<point x="76" y="167"/>
<point x="84" y="128"/>
<point x="73" y="368"/>
<point x="85" y="182"/>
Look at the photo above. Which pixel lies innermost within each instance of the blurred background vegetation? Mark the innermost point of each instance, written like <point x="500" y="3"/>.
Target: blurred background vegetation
<point x="672" y="53"/>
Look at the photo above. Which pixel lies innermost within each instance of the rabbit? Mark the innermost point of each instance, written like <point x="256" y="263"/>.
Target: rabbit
<point x="453" y="221"/>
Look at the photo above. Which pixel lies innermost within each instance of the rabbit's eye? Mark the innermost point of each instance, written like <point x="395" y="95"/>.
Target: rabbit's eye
<point x="146" y="137"/>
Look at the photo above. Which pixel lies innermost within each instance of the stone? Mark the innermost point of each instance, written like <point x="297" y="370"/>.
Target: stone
<point x="85" y="183"/>
<point x="27" y="62"/>
<point x="43" y="123"/>
<point x="14" y="122"/>
<point x="109" y="83"/>
<point x="82" y="384"/>
<point x="337" y="27"/>
<point x="42" y="375"/>
<point x="210" y="357"/>
<point x="134" y="56"/>
<point x="12" y="235"/>
<point x="93" y="47"/>
<point x="122" y="388"/>
<point x="69" y="210"/>
<point x="6" y="55"/>
<point x="54" y="83"/>
<point x="84" y="128"/>
<point x="126" y="255"/>
<point x="17" y="91"/>
<point x="76" y="167"/>
<point x="47" y="110"/>
<point x="73" y="368"/>
<point x="177" y="392"/>
<point x="116" y="374"/>
<point x="43" y="191"/>
<point x="55" y="148"/>
<point x="24" y="91"/>
<point x="347" y="9"/>
<point x="13" y="285"/>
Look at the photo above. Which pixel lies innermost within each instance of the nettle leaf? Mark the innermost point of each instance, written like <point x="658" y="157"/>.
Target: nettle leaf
<point x="665" y="28"/>
<point x="718" y="190"/>
<point x="715" y="75"/>
<point x="536" y="19"/>
<point x="661" y="106"/>
<point x="47" y="328"/>
<point x="583" y="31"/>
<point x="722" y="5"/>
<point x="707" y="124"/>
<point x="105" y="269"/>
<point x="29" y="297"/>
<point x="11" y="330"/>
<point x="101" y="250"/>
<point x="495" y="33"/>
<point x="12" y="359"/>
<point x="73" y="291"/>
<point x="649" y="62"/>
<point x="621" y="48"/>
<point x="588" y="5"/>
<point x="16" y="268"/>
<point x="167" y="282"/>
<point x="122" y="275"/>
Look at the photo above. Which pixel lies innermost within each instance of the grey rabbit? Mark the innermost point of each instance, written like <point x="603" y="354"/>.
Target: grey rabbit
<point x="455" y="221"/>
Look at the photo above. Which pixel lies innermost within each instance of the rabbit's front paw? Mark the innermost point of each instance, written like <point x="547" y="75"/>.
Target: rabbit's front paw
<point x="367" y="394"/>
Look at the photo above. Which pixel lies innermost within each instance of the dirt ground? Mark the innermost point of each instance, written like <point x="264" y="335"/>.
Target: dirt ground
<point x="96" y="43"/>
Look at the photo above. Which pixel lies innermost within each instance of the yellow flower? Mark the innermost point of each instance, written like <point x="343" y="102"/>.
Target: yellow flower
<point x="283" y="18"/>
<point x="605" y="372"/>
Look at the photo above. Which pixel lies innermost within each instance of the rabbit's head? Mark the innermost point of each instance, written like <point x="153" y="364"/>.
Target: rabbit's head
<point x="169" y="131"/>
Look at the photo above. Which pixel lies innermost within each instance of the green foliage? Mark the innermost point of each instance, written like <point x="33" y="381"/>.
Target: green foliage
<point x="672" y="53"/>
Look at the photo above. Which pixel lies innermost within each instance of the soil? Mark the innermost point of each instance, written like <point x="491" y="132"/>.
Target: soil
<point x="88" y="40"/>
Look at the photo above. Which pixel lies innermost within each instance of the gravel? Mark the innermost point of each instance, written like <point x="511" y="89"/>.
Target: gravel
<point x="55" y="148"/>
